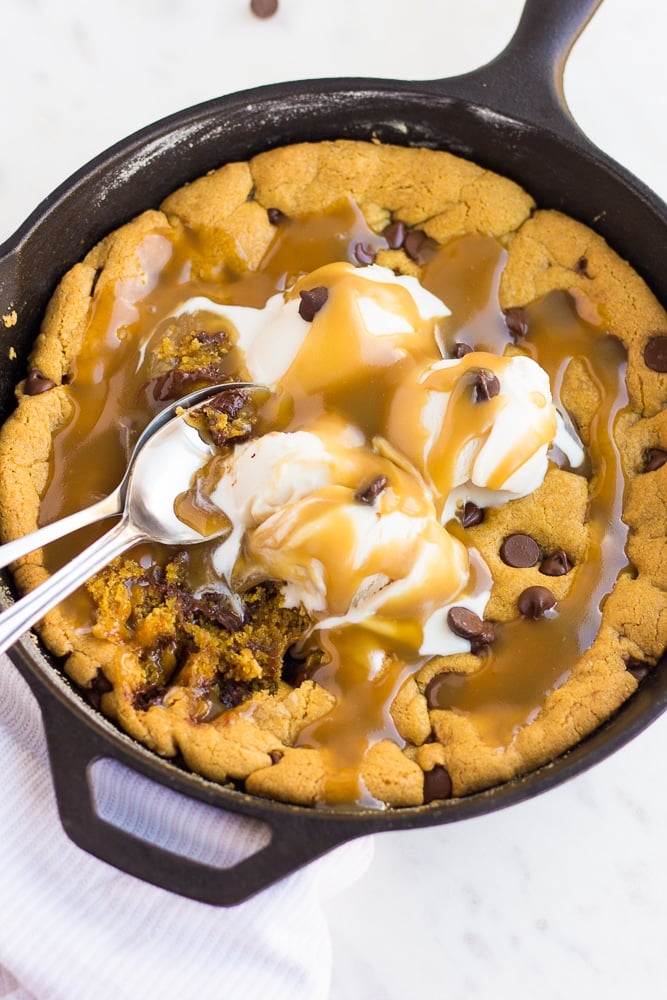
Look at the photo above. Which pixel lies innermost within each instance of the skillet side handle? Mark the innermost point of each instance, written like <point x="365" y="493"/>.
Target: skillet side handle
<point x="296" y="839"/>
<point x="525" y="80"/>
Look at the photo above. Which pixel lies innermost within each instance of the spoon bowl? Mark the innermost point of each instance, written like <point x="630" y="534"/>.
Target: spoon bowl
<point x="167" y="454"/>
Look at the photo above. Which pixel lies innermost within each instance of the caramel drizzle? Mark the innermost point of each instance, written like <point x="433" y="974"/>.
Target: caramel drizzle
<point x="531" y="658"/>
<point x="112" y="370"/>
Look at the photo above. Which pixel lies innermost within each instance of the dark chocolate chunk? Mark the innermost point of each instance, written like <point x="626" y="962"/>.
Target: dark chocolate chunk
<point x="237" y="406"/>
<point x="312" y="300"/>
<point x="556" y="563"/>
<point x="364" y="254"/>
<point x="655" y="353"/>
<point x="460" y="350"/>
<point x="654" y="459"/>
<point x="228" y="401"/>
<point x="437" y="784"/>
<point x="216" y="607"/>
<point x="97" y="687"/>
<point x="637" y="668"/>
<point x="176" y="382"/>
<point x="516" y="321"/>
<point x="394" y="234"/>
<point x="147" y="696"/>
<point x="412" y="242"/>
<point x="275" y="216"/>
<point x="232" y="693"/>
<point x="371" y="492"/>
<point x="534" y="601"/>
<point x="431" y="691"/>
<point x="581" y="267"/>
<point x="471" y="514"/>
<point x="520" y="551"/>
<point x="486" y="385"/>
<point x="263" y="8"/>
<point x="468" y="625"/>
<point x="36" y="383"/>
<point x="418" y="246"/>
<point x="295" y="668"/>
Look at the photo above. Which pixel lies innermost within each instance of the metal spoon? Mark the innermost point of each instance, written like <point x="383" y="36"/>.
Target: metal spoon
<point x="144" y="498"/>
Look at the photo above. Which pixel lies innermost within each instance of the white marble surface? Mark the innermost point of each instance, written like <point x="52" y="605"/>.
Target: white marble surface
<point x="565" y="895"/>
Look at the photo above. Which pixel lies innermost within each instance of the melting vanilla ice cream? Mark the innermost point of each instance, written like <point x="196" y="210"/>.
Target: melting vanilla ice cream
<point x="377" y="439"/>
<point x="351" y="534"/>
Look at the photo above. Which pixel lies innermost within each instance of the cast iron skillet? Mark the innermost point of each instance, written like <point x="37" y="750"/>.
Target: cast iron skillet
<point x="510" y="116"/>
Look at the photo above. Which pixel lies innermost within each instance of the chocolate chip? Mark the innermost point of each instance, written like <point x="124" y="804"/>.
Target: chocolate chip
<point x="581" y="267"/>
<point x="437" y="784"/>
<point x="263" y="8"/>
<point x="467" y="625"/>
<point x="654" y="459"/>
<point x="471" y="514"/>
<point x="516" y="321"/>
<point x="478" y="646"/>
<point x="364" y="254"/>
<point x="36" y="383"/>
<point x="486" y="385"/>
<point x="418" y="245"/>
<point x="96" y="278"/>
<point x="394" y="234"/>
<point x="534" y="601"/>
<point x="519" y="551"/>
<point x="460" y="350"/>
<point x="97" y="687"/>
<point x="312" y="301"/>
<point x="275" y="216"/>
<point x="655" y="353"/>
<point x="638" y="668"/>
<point x="276" y="756"/>
<point x="431" y="691"/>
<point x="371" y="492"/>
<point x="556" y="564"/>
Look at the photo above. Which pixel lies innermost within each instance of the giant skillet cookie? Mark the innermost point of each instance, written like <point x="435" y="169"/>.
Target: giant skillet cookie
<point x="260" y="669"/>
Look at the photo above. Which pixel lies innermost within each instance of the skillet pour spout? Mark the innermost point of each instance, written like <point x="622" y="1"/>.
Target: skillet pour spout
<point x="510" y="116"/>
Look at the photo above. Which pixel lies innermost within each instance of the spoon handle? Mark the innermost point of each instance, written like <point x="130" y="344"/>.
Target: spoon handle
<point x="18" y="618"/>
<point x="107" y="507"/>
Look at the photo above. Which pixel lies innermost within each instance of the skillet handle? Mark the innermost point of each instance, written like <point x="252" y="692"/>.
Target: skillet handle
<point x="296" y="838"/>
<point x="525" y="81"/>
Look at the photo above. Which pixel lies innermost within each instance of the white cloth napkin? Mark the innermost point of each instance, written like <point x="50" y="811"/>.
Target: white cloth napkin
<point x="74" y="928"/>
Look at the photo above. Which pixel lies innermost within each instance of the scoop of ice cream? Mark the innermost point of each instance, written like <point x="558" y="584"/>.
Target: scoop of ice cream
<point x="481" y="422"/>
<point x="349" y="533"/>
<point x="372" y="318"/>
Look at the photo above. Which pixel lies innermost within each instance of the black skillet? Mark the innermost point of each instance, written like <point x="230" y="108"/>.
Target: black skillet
<point x="509" y="116"/>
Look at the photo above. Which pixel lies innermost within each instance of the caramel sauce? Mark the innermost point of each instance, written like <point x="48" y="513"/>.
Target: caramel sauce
<point x="530" y="658"/>
<point x="465" y="273"/>
<point x="365" y="685"/>
<point x="193" y="506"/>
<point x="111" y="406"/>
